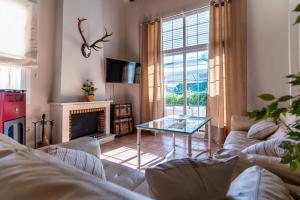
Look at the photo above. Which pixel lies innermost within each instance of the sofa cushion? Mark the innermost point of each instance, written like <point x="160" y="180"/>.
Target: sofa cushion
<point x="86" y="144"/>
<point x="267" y="147"/>
<point x="79" y="159"/>
<point x="37" y="175"/>
<point x="237" y="140"/>
<point x="190" y="179"/>
<point x="279" y="134"/>
<point x="122" y="175"/>
<point x="262" y="129"/>
<point x="256" y="183"/>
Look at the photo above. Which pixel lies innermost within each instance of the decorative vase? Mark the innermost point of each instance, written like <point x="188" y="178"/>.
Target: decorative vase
<point x="89" y="98"/>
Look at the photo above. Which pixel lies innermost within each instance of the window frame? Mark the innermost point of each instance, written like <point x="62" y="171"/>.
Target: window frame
<point x="184" y="50"/>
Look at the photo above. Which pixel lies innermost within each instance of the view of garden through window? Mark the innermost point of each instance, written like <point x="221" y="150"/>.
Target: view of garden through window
<point x="185" y="62"/>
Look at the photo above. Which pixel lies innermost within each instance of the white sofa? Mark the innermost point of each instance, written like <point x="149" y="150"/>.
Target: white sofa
<point x="237" y="141"/>
<point x="33" y="174"/>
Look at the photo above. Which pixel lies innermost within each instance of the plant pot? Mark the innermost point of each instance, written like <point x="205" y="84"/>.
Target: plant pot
<point x="89" y="98"/>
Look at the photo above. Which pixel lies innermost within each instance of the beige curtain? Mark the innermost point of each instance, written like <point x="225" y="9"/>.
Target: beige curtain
<point x="152" y="92"/>
<point x="227" y="88"/>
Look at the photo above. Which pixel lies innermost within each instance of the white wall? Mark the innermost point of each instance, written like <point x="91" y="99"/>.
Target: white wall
<point x="41" y="82"/>
<point x="73" y="69"/>
<point x="114" y="18"/>
<point x="273" y="50"/>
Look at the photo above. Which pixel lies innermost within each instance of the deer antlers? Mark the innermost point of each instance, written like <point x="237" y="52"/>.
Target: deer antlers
<point x="86" y="48"/>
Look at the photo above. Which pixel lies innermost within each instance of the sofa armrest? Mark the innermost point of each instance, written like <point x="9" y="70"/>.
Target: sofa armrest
<point x="241" y="123"/>
<point x="86" y="144"/>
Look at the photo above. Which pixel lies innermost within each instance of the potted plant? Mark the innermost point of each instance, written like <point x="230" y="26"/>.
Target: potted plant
<point x="89" y="90"/>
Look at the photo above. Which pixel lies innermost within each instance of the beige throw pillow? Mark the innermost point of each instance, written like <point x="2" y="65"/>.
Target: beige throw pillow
<point x="268" y="148"/>
<point x="190" y="179"/>
<point x="79" y="159"/>
<point x="257" y="183"/>
<point x="262" y="129"/>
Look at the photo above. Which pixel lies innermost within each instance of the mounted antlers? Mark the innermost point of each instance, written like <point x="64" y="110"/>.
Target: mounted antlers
<point x="86" y="48"/>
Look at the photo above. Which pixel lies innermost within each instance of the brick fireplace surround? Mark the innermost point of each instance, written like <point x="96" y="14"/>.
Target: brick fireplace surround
<point x="62" y="114"/>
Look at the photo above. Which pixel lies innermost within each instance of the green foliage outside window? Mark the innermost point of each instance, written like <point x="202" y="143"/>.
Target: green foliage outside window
<point x="193" y="99"/>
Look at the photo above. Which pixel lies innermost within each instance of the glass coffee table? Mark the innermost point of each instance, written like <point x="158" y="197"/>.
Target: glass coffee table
<point x="176" y="124"/>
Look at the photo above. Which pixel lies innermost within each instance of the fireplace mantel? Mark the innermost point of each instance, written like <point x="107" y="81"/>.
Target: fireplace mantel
<point x="60" y="113"/>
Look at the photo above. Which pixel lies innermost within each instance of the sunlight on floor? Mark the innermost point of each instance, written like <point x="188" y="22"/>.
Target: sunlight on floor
<point x="128" y="157"/>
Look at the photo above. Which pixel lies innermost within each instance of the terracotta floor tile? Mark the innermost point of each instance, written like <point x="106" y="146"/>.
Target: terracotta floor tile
<point x="154" y="147"/>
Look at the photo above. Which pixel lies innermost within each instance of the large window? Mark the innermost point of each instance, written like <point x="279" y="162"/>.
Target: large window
<point x="185" y="62"/>
<point x="18" y="43"/>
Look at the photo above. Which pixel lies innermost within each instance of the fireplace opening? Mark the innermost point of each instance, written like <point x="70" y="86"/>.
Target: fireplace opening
<point x="89" y="122"/>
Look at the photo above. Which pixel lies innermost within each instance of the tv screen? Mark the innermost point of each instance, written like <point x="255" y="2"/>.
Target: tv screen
<point x="119" y="71"/>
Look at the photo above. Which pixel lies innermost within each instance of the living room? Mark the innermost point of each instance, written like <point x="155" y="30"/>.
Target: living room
<point x="140" y="99"/>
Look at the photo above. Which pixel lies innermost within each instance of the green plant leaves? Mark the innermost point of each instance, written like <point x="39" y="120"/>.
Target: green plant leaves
<point x="266" y="97"/>
<point x="297" y="9"/>
<point x="297" y="20"/>
<point x="285" y="98"/>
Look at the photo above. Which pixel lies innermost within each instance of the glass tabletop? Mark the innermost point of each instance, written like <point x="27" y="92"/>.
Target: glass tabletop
<point x="183" y="124"/>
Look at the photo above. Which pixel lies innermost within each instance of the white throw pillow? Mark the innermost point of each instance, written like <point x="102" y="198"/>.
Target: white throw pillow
<point x="190" y="179"/>
<point x="257" y="183"/>
<point x="79" y="159"/>
<point x="280" y="133"/>
<point x="262" y="129"/>
<point x="268" y="148"/>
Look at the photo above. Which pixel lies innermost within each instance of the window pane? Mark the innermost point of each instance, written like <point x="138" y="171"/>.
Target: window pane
<point x="167" y="36"/>
<point x="203" y="17"/>
<point x="177" y="23"/>
<point x="167" y="45"/>
<point x="167" y="26"/>
<point x="191" y="41"/>
<point x="191" y="20"/>
<point x="203" y="39"/>
<point x="173" y="34"/>
<point x="191" y="31"/>
<point x="178" y="34"/>
<point x="203" y="28"/>
<point x="177" y="43"/>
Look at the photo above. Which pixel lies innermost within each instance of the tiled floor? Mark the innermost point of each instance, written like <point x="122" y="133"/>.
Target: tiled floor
<point x="154" y="148"/>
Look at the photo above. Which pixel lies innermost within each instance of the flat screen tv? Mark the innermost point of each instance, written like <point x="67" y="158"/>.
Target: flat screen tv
<point x="119" y="71"/>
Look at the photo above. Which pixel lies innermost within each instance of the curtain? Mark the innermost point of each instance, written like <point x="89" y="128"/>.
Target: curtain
<point x="18" y="41"/>
<point x="227" y="84"/>
<point x="152" y="102"/>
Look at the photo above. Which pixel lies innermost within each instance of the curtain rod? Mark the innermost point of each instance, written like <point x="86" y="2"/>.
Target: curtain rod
<point x="173" y="16"/>
<point x="218" y="2"/>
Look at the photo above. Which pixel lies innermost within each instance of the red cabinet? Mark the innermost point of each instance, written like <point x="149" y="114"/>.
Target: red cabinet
<point x="12" y="113"/>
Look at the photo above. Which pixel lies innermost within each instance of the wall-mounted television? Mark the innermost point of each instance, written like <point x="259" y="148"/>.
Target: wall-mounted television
<point x="120" y="71"/>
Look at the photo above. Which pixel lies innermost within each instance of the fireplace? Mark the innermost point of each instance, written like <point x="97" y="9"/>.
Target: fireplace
<point x="87" y="122"/>
<point x="69" y="118"/>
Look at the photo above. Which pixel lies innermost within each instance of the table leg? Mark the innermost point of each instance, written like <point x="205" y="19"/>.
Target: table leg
<point x="174" y="142"/>
<point x="209" y="138"/>
<point x="189" y="154"/>
<point x="139" y="149"/>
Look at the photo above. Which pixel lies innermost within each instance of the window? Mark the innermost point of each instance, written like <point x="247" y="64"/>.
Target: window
<point x="18" y="43"/>
<point x="14" y="78"/>
<point x="185" y="61"/>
